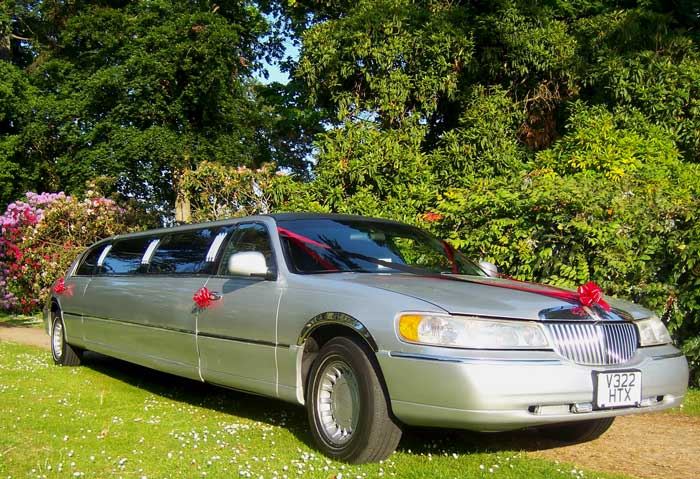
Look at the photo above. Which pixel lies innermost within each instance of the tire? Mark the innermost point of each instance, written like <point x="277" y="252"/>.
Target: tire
<point x="63" y="353"/>
<point x="576" y="432"/>
<point x="348" y="408"/>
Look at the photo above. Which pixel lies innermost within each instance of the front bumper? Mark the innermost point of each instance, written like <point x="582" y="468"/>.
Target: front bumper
<point x="492" y="391"/>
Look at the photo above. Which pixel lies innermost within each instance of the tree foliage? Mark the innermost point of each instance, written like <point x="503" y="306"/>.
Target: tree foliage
<point x="558" y="139"/>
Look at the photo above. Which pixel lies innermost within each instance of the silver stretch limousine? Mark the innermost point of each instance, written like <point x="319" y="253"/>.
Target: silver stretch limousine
<point x="370" y="324"/>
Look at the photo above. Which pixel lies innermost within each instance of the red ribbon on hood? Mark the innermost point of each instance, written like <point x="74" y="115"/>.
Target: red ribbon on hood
<point x="588" y="294"/>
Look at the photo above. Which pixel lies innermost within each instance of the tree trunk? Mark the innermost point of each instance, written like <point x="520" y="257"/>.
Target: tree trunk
<point x="5" y="47"/>
<point x="182" y="200"/>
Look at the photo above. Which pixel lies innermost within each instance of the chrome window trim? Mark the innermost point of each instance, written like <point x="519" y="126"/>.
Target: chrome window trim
<point x="148" y="254"/>
<point x="216" y="245"/>
<point x="103" y="255"/>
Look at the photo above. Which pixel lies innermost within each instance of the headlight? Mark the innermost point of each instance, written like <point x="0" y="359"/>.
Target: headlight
<point x="469" y="332"/>
<point x="652" y="332"/>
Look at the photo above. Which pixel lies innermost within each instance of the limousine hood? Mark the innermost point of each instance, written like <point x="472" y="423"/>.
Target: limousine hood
<point x="488" y="297"/>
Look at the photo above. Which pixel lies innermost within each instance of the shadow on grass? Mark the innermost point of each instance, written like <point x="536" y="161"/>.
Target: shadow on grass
<point x="293" y="417"/>
<point x="20" y="321"/>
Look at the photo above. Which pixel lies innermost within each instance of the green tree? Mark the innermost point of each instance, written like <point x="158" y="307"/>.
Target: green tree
<point x="558" y="138"/>
<point x="142" y="92"/>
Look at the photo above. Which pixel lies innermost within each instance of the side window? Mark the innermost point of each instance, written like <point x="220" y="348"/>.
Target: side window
<point x="125" y="256"/>
<point x="248" y="237"/>
<point x="87" y="266"/>
<point x="183" y="253"/>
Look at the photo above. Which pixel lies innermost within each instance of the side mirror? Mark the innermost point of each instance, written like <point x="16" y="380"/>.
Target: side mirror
<point x="248" y="263"/>
<point x="489" y="268"/>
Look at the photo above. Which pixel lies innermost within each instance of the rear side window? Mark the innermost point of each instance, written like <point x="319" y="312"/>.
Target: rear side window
<point x="184" y="253"/>
<point x="87" y="266"/>
<point x="125" y="256"/>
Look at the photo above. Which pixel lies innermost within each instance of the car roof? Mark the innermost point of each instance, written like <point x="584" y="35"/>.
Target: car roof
<point x="229" y="221"/>
<point x="324" y="216"/>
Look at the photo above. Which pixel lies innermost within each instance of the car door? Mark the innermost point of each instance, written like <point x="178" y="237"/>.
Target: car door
<point x="115" y="321"/>
<point x="72" y="300"/>
<point x="180" y="265"/>
<point x="236" y="333"/>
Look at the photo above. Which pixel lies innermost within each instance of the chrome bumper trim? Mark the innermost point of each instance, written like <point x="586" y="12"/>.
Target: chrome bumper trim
<point x="461" y="360"/>
<point x="667" y="356"/>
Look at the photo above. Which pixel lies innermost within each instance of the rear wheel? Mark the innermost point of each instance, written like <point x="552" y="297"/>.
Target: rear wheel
<point x="576" y="432"/>
<point x="62" y="352"/>
<point x="348" y="409"/>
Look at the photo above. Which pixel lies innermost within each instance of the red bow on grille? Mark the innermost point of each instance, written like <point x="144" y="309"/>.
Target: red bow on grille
<point x="590" y="294"/>
<point x="203" y="297"/>
<point x="60" y="286"/>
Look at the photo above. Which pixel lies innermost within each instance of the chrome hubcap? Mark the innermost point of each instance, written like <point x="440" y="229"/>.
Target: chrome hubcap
<point x="338" y="402"/>
<point x="57" y="339"/>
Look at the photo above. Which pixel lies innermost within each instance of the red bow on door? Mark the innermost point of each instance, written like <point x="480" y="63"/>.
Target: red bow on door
<point x="203" y="297"/>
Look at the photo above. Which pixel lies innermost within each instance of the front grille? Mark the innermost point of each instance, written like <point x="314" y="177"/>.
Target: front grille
<point x="595" y="343"/>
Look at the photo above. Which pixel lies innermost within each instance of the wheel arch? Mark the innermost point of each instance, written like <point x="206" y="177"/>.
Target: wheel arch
<point x="321" y="329"/>
<point x="54" y="307"/>
<point x="336" y="321"/>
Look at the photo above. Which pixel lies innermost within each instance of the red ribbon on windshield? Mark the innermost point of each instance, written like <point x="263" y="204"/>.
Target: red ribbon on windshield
<point x="301" y="238"/>
<point x="450" y="252"/>
<point x="302" y="241"/>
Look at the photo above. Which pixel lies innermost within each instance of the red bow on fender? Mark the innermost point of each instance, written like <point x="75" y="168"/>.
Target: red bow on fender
<point x="60" y="286"/>
<point x="590" y="294"/>
<point x="203" y="297"/>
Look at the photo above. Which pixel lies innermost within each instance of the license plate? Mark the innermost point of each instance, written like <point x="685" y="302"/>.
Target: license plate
<point x="620" y="388"/>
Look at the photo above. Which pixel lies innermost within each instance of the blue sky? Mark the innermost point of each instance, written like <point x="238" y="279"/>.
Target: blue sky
<point x="276" y="75"/>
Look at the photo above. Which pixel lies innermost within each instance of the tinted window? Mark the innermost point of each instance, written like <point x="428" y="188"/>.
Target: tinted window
<point x="125" y="256"/>
<point x="248" y="237"/>
<point x="87" y="266"/>
<point x="184" y="253"/>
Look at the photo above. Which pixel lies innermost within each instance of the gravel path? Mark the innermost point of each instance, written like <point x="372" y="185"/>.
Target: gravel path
<point x="650" y="446"/>
<point x="25" y="335"/>
<point x="647" y="446"/>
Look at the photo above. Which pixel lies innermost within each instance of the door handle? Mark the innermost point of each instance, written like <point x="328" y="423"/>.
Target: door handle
<point x="214" y="296"/>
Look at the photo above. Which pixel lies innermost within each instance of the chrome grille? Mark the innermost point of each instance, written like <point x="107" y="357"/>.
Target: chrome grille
<point x="595" y="343"/>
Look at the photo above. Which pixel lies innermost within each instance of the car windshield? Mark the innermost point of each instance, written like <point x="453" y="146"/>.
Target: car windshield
<point x="339" y="245"/>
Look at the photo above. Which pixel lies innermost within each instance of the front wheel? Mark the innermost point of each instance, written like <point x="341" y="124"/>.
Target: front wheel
<point x="576" y="432"/>
<point x="62" y="352"/>
<point x="347" y="407"/>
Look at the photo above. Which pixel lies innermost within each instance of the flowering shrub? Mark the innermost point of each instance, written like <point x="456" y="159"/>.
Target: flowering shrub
<point x="19" y="217"/>
<point x="42" y="235"/>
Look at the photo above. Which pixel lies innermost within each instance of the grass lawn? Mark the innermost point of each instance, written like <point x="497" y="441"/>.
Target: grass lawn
<point x="20" y="320"/>
<point x="691" y="404"/>
<point x="112" y="419"/>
